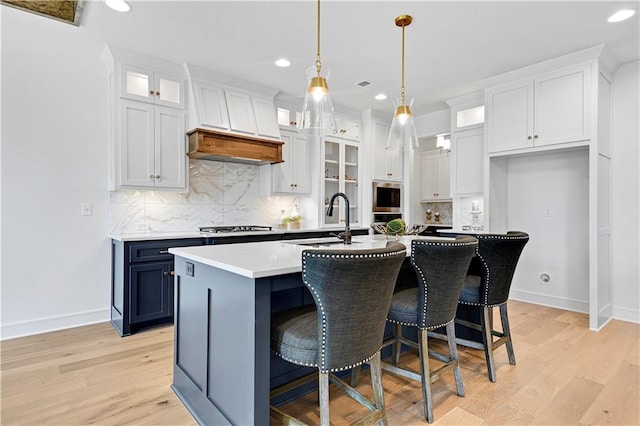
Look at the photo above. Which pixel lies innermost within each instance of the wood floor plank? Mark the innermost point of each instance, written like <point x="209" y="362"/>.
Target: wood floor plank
<point x="565" y="374"/>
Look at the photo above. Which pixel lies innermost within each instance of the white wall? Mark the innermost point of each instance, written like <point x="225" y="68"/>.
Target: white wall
<point x="558" y="243"/>
<point x="625" y="196"/>
<point x="55" y="268"/>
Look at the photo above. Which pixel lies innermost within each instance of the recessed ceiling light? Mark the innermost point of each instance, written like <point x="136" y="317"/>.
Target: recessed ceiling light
<point x="380" y="97"/>
<point x="119" y="5"/>
<point x="621" y="15"/>
<point x="283" y="63"/>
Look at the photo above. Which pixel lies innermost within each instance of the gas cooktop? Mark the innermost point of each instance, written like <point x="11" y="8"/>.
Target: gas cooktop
<point x="235" y="228"/>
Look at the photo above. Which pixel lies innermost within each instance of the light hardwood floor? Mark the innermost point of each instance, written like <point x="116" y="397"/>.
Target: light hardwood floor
<point x="565" y="374"/>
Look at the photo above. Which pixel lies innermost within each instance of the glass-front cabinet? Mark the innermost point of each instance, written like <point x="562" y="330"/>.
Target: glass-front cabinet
<point x="341" y="173"/>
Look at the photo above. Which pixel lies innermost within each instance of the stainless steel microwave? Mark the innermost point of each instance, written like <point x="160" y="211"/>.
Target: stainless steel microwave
<point x="387" y="197"/>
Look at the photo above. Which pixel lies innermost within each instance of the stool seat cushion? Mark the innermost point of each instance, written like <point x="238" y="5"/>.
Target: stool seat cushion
<point x="471" y="290"/>
<point x="294" y="336"/>
<point x="404" y="307"/>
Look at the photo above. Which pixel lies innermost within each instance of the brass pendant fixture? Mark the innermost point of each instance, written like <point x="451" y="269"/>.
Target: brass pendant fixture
<point x="317" y="110"/>
<point x="402" y="134"/>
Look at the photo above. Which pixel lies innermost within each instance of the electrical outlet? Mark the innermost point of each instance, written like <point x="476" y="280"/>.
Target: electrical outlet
<point x="87" y="209"/>
<point x="189" y="269"/>
<point x="547" y="212"/>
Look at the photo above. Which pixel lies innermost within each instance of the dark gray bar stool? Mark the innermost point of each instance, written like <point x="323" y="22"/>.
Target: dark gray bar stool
<point x="441" y="268"/>
<point x="352" y="291"/>
<point x="487" y="285"/>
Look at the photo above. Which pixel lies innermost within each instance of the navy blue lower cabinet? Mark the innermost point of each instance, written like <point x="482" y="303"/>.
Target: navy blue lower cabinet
<point x="142" y="283"/>
<point x="151" y="291"/>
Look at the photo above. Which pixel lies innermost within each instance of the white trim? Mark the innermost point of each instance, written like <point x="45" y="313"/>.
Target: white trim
<point x="626" y="314"/>
<point x="551" y="301"/>
<point x="45" y="325"/>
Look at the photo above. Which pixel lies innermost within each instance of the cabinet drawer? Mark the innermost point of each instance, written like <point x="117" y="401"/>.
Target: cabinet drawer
<point x="158" y="250"/>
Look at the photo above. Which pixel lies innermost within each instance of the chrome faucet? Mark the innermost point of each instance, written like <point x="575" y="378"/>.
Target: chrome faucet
<point x="345" y="236"/>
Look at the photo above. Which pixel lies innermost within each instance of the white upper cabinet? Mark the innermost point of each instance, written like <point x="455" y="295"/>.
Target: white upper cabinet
<point x="347" y="128"/>
<point x="212" y="106"/>
<point x="147" y="122"/>
<point x="387" y="164"/>
<point x="551" y="108"/>
<point x="292" y="175"/>
<point x="435" y="169"/>
<point x="266" y="118"/>
<point x="467" y="162"/>
<point x="150" y="86"/>
<point x="152" y="147"/>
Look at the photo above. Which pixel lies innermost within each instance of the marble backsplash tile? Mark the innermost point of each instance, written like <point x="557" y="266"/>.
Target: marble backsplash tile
<point x="444" y="208"/>
<point x="219" y="194"/>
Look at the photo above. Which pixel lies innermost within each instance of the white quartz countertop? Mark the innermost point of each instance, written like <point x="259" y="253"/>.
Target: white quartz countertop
<point x="270" y="258"/>
<point x="462" y="231"/>
<point x="148" y="236"/>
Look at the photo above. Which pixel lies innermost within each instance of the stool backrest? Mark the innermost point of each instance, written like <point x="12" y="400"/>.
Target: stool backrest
<point x="441" y="267"/>
<point x="498" y="255"/>
<point x="352" y="290"/>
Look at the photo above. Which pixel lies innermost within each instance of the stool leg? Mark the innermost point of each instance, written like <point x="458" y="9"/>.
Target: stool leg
<point x="453" y="353"/>
<point x="397" y="332"/>
<point x="376" y="383"/>
<point x="507" y="332"/>
<point x="425" y="373"/>
<point x="323" y="384"/>
<point x="355" y="376"/>
<point x="487" y="339"/>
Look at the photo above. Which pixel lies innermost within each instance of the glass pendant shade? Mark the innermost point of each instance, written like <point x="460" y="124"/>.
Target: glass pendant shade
<point x="402" y="134"/>
<point x="317" y="110"/>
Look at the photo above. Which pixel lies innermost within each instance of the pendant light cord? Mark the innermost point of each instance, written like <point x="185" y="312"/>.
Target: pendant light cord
<point x="318" y="63"/>
<point x="402" y="87"/>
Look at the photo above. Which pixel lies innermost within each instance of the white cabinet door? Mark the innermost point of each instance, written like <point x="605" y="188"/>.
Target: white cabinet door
<point x="341" y="165"/>
<point x="444" y="177"/>
<point x="170" y="148"/>
<point x="137" y="144"/>
<point x="241" y="115"/>
<point x="212" y="106"/>
<point x="152" y="148"/>
<point x="435" y="176"/>
<point x="145" y="85"/>
<point x="292" y="175"/>
<point x="562" y="107"/>
<point x="347" y="128"/>
<point x="266" y="119"/>
<point x="510" y="112"/>
<point x="387" y="164"/>
<point x="467" y="162"/>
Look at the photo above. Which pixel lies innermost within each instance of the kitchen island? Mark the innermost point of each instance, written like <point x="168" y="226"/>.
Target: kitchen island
<point x="224" y="297"/>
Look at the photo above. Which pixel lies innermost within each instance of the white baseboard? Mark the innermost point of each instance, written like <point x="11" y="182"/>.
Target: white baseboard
<point x="626" y="314"/>
<point x="551" y="301"/>
<point x="619" y="313"/>
<point x="44" y="325"/>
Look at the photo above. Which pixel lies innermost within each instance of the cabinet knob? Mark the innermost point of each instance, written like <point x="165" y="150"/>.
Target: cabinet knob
<point x="528" y="137"/>
<point x="389" y="174"/>
<point x="152" y="176"/>
<point x="151" y="92"/>
<point x="169" y="273"/>
<point x="535" y="136"/>
<point x="157" y="93"/>
<point x="157" y="176"/>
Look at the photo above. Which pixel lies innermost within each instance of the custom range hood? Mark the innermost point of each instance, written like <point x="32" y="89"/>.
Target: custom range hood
<point x="208" y="144"/>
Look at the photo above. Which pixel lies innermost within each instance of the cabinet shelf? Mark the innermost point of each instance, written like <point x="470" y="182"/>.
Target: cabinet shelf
<point x="331" y="161"/>
<point x="350" y="164"/>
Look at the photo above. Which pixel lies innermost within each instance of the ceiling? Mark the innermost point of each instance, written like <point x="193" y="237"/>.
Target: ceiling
<point x="450" y="45"/>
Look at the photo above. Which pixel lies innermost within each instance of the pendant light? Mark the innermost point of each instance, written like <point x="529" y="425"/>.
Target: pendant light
<point x="317" y="111"/>
<point x="402" y="134"/>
